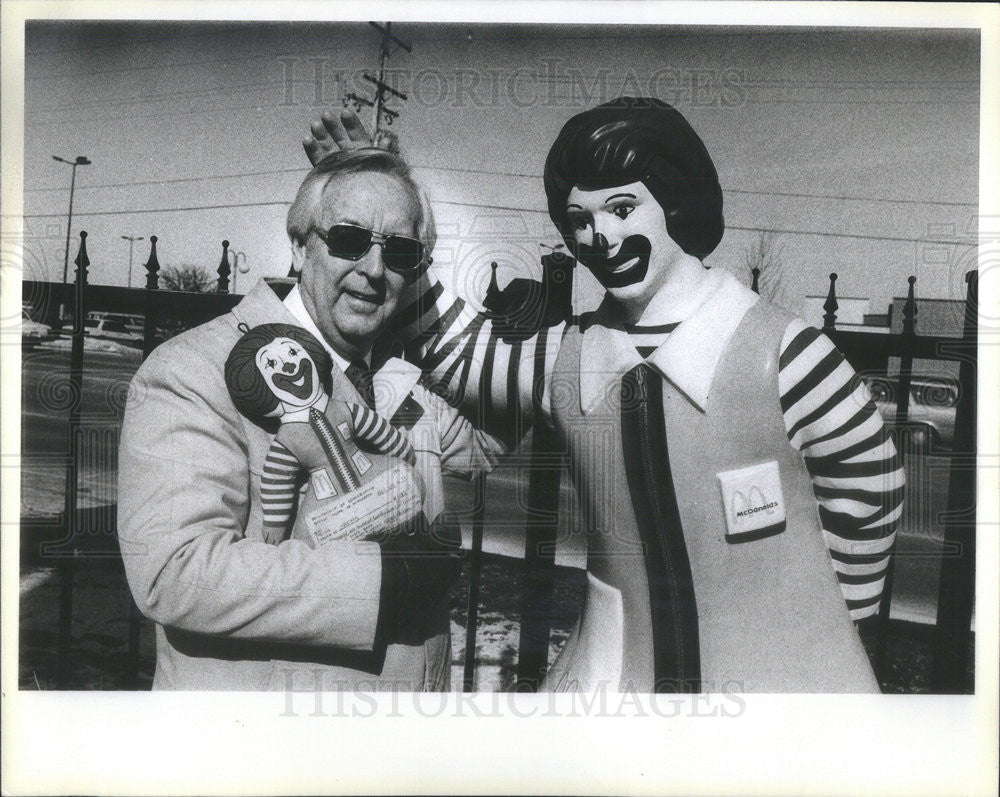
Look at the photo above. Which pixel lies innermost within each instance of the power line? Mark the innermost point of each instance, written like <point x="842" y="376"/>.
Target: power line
<point x="819" y="233"/>
<point x="730" y="190"/>
<point x="219" y="91"/>
<point x="463" y="170"/>
<point x="300" y="169"/>
<point x="155" y="210"/>
<point x="823" y="233"/>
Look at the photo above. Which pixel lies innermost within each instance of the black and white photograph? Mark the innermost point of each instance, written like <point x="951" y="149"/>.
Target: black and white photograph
<point x="621" y="364"/>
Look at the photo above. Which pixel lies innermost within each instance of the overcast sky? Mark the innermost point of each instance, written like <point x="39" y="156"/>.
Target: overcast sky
<point x="859" y="146"/>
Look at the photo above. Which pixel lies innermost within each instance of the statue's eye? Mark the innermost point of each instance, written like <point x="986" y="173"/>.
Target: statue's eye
<point x="271" y="363"/>
<point x="579" y="222"/>
<point x="293" y="351"/>
<point x="623" y="211"/>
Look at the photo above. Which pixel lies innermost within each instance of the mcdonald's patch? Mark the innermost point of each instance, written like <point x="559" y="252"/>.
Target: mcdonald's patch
<point x="753" y="502"/>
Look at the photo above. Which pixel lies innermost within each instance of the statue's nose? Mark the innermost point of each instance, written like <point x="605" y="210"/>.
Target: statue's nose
<point x="288" y="368"/>
<point x="599" y="244"/>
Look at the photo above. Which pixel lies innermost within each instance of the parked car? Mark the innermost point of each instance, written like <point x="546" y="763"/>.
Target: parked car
<point x="114" y="326"/>
<point x="34" y="330"/>
<point x="931" y="415"/>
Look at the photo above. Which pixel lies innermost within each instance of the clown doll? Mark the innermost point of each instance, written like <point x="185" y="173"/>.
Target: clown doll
<point x="360" y="483"/>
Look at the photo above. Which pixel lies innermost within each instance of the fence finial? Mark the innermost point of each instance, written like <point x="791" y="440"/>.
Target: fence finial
<point x="756" y="274"/>
<point x="830" y="305"/>
<point x="152" y="266"/>
<point x="224" y="269"/>
<point x="82" y="261"/>
<point x="910" y="310"/>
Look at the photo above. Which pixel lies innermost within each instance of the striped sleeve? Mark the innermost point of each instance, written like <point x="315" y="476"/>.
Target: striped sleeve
<point x="855" y="470"/>
<point x="501" y="385"/>
<point x="278" y="485"/>
<point x="378" y="432"/>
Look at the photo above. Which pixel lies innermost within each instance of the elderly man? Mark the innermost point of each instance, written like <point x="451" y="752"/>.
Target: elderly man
<point x="233" y="611"/>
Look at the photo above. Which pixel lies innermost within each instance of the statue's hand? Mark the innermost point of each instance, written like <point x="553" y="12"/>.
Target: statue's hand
<point x="334" y="133"/>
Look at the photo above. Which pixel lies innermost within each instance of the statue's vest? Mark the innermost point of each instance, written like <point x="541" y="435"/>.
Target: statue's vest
<point x="768" y="614"/>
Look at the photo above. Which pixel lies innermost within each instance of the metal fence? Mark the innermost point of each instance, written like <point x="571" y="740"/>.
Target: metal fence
<point x="87" y="534"/>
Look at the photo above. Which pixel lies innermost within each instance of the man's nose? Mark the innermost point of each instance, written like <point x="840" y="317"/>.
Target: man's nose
<point x="288" y="368"/>
<point x="372" y="264"/>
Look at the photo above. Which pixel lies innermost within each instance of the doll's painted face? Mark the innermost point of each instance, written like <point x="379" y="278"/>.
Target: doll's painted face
<point x="290" y="372"/>
<point x="621" y="237"/>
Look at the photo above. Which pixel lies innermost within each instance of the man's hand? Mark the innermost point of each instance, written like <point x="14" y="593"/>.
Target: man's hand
<point x="333" y="133"/>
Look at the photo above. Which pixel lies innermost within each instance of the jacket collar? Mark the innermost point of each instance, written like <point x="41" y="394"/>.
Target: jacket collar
<point x="688" y="358"/>
<point x="392" y="381"/>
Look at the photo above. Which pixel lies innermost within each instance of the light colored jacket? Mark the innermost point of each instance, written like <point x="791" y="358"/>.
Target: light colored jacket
<point x="232" y="611"/>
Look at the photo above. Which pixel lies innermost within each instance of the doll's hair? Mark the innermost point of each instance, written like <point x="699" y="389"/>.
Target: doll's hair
<point x="249" y="390"/>
<point x="304" y="212"/>
<point x="634" y="139"/>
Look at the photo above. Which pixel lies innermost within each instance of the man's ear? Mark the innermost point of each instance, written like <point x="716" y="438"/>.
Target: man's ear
<point x="298" y="259"/>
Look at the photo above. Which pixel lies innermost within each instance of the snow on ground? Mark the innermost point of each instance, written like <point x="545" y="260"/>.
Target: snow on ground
<point x="94" y="344"/>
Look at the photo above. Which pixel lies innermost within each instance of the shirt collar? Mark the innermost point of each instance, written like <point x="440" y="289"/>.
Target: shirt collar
<point x="688" y="358"/>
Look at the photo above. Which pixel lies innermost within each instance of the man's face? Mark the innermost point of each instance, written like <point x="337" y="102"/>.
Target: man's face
<point x="352" y="301"/>
<point x="621" y="236"/>
<point x="290" y="373"/>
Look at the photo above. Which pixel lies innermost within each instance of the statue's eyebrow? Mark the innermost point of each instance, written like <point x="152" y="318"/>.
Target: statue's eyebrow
<point x="618" y="196"/>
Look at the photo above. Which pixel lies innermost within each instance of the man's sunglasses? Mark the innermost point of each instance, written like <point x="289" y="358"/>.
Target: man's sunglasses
<point x="350" y="242"/>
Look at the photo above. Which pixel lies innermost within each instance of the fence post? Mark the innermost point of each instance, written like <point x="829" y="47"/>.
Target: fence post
<point x="957" y="585"/>
<point x="755" y="287"/>
<point x="152" y="284"/>
<point x="542" y="525"/>
<point x="68" y="560"/>
<point x="223" y="286"/>
<point x="830" y="305"/>
<point x="475" y="574"/>
<point x="902" y="414"/>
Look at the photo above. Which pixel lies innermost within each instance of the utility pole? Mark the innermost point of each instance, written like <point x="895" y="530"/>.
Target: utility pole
<point x="81" y="160"/>
<point x="378" y="105"/>
<point x="131" y="240"/>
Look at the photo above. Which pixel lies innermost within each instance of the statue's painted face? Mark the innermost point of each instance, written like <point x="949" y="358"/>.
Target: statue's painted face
<point x="621" y="237"/>
<point x="290" y="372"/>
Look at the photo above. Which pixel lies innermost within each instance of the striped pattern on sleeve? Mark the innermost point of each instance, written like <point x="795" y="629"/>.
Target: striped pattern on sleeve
<point x="278" y="485"/>
<point x="855" y="470"/>
<point x="382" y="435"/>
<point x="502" y="386"/>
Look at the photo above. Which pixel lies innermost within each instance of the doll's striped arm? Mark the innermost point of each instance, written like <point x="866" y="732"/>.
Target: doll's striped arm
<point x="501" y="386"/>
<point x="278" y="484"/>
<point x="855" y="469"/>
<point x="382" y="435"/>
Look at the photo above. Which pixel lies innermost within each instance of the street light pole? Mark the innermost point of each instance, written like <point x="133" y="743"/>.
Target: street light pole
<point x="80" y="161"/>
<point x="131" y="241"/>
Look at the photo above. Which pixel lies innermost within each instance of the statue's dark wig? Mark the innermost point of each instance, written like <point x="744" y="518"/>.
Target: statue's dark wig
<point x="634" y="139"/>
<point x="250" y="392"/>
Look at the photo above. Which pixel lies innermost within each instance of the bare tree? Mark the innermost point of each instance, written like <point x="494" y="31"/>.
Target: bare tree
<point x="766" y="253"/>
<point x="192" y="279"/>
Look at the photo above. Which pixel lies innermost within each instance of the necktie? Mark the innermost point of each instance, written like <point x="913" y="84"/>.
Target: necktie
<point x="673" y="612"/>
<point x="361" y="378"/>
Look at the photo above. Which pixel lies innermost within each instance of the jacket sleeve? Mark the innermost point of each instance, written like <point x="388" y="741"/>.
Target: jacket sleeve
<point x="501" y="386"/>
<point x="465" y="450"/>
<point x="183" y="509"/>
<point x="852" y="462"/>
